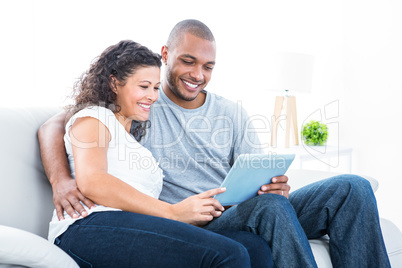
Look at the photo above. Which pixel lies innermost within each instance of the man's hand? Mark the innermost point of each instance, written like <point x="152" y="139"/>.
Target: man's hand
<point x="67" y="197"/>
<point x="279" y="186"/>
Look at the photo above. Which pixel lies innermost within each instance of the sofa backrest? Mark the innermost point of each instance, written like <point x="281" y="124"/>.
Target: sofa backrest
<point x="25" y="192"/>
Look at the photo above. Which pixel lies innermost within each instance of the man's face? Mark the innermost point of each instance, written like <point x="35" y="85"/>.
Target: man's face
<point x="189" y="67"/>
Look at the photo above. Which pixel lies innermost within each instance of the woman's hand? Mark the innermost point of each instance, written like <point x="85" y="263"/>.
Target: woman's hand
<point x="199" y="209"/>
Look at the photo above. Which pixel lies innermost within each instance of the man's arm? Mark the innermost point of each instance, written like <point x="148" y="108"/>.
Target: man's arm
<point x="66" y="195"/>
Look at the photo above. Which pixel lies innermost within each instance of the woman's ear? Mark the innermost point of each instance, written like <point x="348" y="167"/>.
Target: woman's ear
<point x="113" y="85"/>
<point x="164" y="54"/>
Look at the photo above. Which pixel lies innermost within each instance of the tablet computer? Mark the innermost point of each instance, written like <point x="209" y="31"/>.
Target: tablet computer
<point x="249" y="173"/>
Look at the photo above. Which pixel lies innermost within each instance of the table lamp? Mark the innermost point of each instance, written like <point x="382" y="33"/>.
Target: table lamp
<point x="292" y="72"/>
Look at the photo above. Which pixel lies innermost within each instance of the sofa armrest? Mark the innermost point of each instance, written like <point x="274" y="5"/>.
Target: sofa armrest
<point x="392" y="235"/>
<point x="18" y="247"/>
<point x="392" y="239"/>
<point x="300" y="177"/>
<point x="393" y="242"/>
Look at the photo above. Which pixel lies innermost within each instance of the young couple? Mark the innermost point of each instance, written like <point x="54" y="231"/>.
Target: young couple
<point x="111" y="208"/>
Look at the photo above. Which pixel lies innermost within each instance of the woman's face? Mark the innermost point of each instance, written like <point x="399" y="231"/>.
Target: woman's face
<point x="139" y="93"/>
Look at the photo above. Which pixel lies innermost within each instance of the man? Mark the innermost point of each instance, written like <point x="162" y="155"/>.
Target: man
<point x="196" y="136"/>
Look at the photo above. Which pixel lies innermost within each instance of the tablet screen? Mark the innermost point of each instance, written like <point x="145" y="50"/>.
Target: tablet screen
<point x="249" y="173"/>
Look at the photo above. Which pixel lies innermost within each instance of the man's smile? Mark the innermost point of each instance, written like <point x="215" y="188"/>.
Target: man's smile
<point x="190" y="86"/>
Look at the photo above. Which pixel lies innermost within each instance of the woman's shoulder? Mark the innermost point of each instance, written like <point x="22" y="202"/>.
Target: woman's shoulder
<point x="94" y="111"/>
<point x="104" y="115"/>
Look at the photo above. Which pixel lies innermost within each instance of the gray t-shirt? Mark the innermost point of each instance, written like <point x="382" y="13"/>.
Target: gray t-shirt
<point x="196" y="147"/>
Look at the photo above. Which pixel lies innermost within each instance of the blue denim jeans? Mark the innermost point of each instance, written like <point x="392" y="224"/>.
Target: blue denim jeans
<point x="125" y="239"/>
<point x="343" y="207"/>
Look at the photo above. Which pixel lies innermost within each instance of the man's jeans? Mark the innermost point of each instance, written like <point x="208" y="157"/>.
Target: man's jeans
<point x="125" y="239"/>
<point x="344" y="207"/>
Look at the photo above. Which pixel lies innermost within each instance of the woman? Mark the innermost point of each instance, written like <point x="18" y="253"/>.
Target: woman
<point x="129" y="226"/>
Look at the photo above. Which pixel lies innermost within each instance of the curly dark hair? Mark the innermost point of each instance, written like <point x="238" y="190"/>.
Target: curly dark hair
<point x="94" y="87"/>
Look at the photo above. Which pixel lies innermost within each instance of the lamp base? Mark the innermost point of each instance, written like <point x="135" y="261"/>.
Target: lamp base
<point x="289" y="104"/>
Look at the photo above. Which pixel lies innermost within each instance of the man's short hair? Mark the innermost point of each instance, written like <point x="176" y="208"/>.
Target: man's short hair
<point x="194" y="27"/>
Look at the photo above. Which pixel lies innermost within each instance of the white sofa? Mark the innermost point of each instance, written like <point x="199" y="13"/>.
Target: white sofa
<point x="26" y="198"/>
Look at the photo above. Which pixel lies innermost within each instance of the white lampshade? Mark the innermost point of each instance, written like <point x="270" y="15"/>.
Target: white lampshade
<point x="291" y="72"/>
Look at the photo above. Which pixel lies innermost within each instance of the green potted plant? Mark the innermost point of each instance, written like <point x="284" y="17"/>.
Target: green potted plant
<point x="314" y="133"/>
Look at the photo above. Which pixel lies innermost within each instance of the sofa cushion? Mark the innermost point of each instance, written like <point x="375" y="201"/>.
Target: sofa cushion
<point x="25" y="193"/>
<point x="19" y="247"/>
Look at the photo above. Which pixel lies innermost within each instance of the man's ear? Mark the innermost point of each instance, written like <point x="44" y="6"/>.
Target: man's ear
<point x="164" y="54"/>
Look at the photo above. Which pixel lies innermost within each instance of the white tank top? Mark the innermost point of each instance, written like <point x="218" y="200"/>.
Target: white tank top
<point x="127" y="160"/>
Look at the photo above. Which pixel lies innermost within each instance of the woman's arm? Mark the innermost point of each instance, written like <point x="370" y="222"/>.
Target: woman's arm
<point x="90" y="140"/>
<point x="66" y="195"/>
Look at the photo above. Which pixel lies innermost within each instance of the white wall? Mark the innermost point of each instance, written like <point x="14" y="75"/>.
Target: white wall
<point x="45" y="45"/>
<point x="372" y="103"/>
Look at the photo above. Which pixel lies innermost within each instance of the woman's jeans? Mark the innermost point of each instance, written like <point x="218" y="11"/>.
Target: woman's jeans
<point x="125" y="239"/>
<point x="343" y="207"/>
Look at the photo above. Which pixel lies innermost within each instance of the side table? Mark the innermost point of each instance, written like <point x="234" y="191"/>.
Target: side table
<point x="325" y="157"/>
